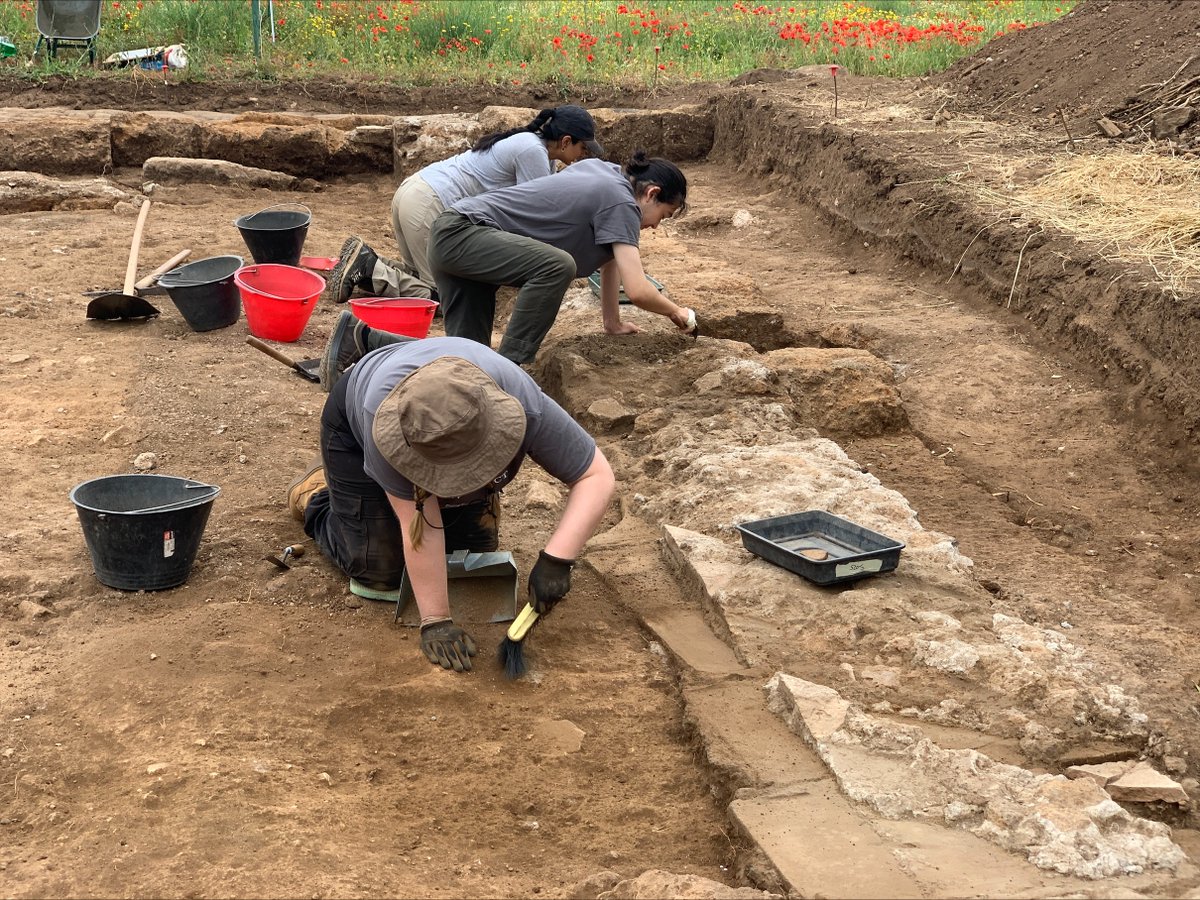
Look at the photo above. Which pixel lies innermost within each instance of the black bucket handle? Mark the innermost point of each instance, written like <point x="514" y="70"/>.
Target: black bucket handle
<point x="179" y="504"/>
<point x="245" y="220"/>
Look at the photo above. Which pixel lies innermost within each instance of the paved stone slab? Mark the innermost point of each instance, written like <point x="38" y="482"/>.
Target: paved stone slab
<point x="746" y="739"/>
<point x="822" y="847"/>
<point x="687" y="635"/>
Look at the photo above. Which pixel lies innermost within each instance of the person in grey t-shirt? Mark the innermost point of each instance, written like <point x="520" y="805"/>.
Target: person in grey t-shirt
<point x="541" y="235"/>
<point x="416" y="442"/>
<point x="563" y="134"/>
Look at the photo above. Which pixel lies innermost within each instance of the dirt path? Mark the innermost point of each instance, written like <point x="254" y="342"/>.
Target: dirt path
<point x="247" y="687"/>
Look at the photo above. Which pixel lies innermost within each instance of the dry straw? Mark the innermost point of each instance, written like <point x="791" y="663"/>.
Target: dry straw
<point x="1140" y="207"/>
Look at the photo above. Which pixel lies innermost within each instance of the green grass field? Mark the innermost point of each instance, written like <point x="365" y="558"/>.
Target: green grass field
<point x="556" y="41"/>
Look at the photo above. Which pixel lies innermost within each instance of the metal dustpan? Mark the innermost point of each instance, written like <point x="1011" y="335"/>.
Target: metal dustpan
<point x="483" y="588"/>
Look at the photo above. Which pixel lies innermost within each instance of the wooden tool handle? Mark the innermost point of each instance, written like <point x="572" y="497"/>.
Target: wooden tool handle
<point x="131" y="269"/>
<point x="171" y="263"/>
<point x="271" y="352"/>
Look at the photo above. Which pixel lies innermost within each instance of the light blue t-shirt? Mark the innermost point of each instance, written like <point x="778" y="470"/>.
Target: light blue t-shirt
<point x="514" y="160"/>
<point x="554" y="440"/>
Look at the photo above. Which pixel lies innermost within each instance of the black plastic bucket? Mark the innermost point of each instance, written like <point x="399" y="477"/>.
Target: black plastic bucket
<point x="204" y="292"/>
<point x="143" y="531"/>
<point x="275" y="235"/>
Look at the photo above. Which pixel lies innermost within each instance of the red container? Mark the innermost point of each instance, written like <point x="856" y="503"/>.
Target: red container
<point x="278" y="300"/>
<point x="410" y="316"/>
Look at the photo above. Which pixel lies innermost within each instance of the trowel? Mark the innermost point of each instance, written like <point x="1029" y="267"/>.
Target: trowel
<point x="284" y="560"/>
<point x="482" y="586"/>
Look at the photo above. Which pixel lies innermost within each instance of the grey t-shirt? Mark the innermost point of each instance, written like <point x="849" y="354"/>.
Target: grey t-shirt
<point x="584" y="210"/>
<point x="514" y="160"/>
<point x="554" y="440"/>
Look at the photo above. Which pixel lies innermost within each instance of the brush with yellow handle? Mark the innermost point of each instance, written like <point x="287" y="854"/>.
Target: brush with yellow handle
<point x="549" y="582"/>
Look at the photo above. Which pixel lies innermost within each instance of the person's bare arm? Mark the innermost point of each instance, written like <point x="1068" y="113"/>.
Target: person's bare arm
<point x="426" y="564"/>
<point x="639" y="290"/>
<point x="587" y="501"/>
<point x="610" y="299"/>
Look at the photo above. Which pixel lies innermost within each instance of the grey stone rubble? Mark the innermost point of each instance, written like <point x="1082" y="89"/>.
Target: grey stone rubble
<point x="930" y="643"/>
<point x="1072" y="827"/>
<point x="753" y="461"/>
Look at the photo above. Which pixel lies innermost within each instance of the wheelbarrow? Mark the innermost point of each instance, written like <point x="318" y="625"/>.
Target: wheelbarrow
<point x="482" y="586"/>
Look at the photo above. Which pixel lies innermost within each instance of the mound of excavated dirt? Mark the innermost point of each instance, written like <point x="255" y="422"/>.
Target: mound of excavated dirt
<point x="1092" y="62"/>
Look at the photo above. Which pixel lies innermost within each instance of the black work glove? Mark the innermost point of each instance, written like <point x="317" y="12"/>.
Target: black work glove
<point x="447" y="645"/>
<point x="549" y="582"/>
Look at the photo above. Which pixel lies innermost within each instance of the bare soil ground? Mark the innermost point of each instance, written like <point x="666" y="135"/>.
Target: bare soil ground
<point x="306" y="747"/>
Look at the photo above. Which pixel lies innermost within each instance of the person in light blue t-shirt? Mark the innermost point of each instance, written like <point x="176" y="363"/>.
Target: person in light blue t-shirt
<point x="563" y="134"/>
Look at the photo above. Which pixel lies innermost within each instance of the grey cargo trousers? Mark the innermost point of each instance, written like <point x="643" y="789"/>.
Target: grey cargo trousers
<point x="471" y="262"/>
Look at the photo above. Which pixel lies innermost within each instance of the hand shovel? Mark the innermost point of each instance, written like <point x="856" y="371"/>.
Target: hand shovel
<point x="308" y="369"/>
<point x="126" y="304"/>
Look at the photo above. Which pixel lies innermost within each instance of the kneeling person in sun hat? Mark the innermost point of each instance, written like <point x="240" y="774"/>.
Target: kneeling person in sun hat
<point x="417" y="439"/>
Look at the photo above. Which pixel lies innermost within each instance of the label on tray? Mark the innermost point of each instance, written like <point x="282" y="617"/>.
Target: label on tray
<point x="857" y="567"/>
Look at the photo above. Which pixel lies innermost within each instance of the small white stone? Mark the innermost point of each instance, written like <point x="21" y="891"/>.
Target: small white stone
<point x="144" y="462"/>
<point x="156" y="768"/>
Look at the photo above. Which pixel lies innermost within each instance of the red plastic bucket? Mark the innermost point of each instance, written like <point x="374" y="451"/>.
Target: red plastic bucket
<point x="410" y="316"/>
<point x="278" y="300"/>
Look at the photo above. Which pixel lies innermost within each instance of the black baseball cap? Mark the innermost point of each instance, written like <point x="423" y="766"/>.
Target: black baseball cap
<point x="578" y="123"/>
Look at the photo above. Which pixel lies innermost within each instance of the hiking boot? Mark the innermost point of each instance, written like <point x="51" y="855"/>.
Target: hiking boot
<point x="302" y="488"/>
<point x="355" y="264"/>
<point x="352" y="339"/>
<point x="347" y="345"/>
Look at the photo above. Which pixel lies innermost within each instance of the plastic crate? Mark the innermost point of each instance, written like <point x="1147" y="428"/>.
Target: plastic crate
<point x="853" y="551"/>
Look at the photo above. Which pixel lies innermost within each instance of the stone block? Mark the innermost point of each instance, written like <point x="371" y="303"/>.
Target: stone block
<point x="608" y="414"/>
<point x="1144" y="784"/>
<point x="138" y="136"/>
<point x="418" y="141"/>
<point x="681" y="134"/>
<point x="22" y="192"/>
<point x="1101" y="773"/>
<point x="172" y="170"/>
<point x="56" y="142"/>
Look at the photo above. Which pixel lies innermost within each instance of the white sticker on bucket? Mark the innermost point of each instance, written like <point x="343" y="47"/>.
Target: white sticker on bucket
<point x="168" y="544"/>
<point x="854" y="568"/>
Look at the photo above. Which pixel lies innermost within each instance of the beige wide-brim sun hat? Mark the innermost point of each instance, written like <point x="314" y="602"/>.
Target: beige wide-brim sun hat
<point x="449" y="428"/>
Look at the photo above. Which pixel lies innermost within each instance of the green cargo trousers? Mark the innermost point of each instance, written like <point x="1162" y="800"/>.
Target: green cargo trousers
<point x="470" y="262"/>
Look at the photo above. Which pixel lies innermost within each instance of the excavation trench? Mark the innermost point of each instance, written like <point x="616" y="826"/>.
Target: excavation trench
<point x="841" y="368"/>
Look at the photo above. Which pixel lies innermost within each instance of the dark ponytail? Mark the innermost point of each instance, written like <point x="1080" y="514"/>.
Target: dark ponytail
<point x="537" y="126"/>
<point x="653" y="171"/>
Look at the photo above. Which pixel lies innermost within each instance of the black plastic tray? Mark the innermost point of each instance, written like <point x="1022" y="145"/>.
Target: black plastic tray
<point x="854" y="552"/>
